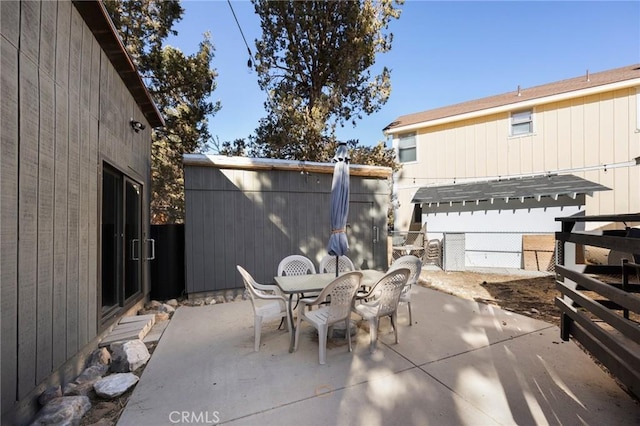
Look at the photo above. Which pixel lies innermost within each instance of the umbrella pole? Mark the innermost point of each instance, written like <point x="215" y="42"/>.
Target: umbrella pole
<point x="336" y="266"/>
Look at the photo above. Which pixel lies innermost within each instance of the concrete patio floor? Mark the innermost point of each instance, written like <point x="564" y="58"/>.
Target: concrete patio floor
<point x="461" y="363"/>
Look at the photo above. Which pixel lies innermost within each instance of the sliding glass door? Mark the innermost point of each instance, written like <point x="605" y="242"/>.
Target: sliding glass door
<point x="121" y="241"/>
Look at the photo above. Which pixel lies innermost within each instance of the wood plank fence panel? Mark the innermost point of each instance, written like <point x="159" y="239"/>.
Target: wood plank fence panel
<point x="602" y="316"/>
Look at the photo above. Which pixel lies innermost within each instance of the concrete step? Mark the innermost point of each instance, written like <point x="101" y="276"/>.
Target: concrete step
<point x="130" y="328"/>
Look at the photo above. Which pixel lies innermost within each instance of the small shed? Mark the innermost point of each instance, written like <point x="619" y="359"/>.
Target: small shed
<point x="506" y="223"/>
<point x="253" y="212"/>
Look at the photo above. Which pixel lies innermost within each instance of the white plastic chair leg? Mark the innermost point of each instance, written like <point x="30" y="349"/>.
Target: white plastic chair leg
<point x="257" y="328"/>
<point x="322" y="344"/>
<point x="348" y="331"/>
<point x="297" y="336"/>
<point x="394" y="322"/>
<point x="410" y="319"/>
<point x="373" y="333"/>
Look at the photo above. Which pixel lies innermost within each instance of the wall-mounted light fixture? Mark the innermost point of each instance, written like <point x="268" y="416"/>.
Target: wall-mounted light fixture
<point x="136" y="125"/>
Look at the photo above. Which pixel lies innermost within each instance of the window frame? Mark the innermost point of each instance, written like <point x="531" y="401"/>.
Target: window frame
<point x="512" y="122"/>
<point x="414" y="147"/>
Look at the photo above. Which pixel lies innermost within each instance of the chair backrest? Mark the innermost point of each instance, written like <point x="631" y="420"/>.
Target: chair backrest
<point x="249" y="282"/>
<point x="257" y="290"/>
<point x="296" y="264"/>
<point x="342" y="290"/>
<point x="388" y="290"/>
<point x="328" y="264"/>
<point x="411" y="262"/>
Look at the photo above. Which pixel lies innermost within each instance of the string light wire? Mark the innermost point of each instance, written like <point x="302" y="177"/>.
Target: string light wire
<point x="249" y="62"/>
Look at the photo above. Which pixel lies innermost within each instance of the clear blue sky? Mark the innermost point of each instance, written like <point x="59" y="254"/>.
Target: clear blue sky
<point x="443" y="53"/>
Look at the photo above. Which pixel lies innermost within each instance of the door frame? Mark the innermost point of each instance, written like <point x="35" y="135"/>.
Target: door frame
<point x="122" y="302"/>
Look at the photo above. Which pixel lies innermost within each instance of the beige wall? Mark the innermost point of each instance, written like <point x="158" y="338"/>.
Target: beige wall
<point x="572" y="134"/>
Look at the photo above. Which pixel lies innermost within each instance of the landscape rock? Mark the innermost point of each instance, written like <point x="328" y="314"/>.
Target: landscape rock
<point x="100" y="356"/>
<point x="93" y="373"/>
<point x="168" y="308"/>
<point x="49" y="394"/>
<point x="173" y="302"/>
<point x="63" y="411"/>
<point x="162" y="316"/>
<point x="78" y="389"/>
<point x="128" y="356"/>
<point x="115" y="385"/>
<point x="153" y="305"/>
<point x="83" y="384"/>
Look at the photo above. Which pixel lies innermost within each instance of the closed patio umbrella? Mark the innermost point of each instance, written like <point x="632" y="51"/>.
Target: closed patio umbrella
<point x="339" y="208"/>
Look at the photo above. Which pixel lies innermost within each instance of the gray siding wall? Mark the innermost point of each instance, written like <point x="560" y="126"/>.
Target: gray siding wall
<point x="64" y="111"/>
<point x="256" y="218"/>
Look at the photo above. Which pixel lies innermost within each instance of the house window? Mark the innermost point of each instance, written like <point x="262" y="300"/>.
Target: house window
<point x="407" y="148"/>
<point x="522" y="122"/>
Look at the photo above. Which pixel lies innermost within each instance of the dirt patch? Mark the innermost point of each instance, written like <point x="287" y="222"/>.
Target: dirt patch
<point x="532" y="296"/>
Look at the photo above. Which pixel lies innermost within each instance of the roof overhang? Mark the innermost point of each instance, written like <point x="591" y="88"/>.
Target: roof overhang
<point x="536" y="189"/>
<point x="97" y="18"/>
<point x="530" y="103"/>
<point x="246" y="163"/>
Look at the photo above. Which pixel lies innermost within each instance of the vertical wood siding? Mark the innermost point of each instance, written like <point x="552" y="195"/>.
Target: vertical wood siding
<point x="581" y="132"/>
<point x="10" y="13"/>
<point x="64" y="110"/>
<point x="256" y="218"/>
<point x="27" y="222"/>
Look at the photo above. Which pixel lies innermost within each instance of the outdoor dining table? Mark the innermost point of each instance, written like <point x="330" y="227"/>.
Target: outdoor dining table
<point x="312" y="283"/>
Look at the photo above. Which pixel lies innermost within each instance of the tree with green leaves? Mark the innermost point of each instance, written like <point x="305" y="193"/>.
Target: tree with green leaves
<point x="179" y="84"/>
<point x="314" y="61"/>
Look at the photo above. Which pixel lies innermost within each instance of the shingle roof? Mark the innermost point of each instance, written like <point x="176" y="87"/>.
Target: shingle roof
<point x="573" y="84"/>
<point x="526" y="187"/>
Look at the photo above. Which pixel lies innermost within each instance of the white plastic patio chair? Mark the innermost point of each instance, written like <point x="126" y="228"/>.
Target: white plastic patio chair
<point x="383" y="301"/>
<point x="341" y="291"/>
<point x="296" y="264"/>
<point x="266" y="306"/>
<point x="414" y="264"/>
<point x="328" y="264"/>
